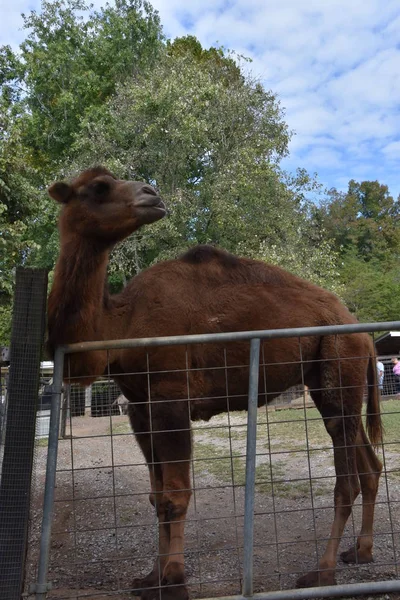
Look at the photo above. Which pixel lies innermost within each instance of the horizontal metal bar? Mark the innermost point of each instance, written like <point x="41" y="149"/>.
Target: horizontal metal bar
<point x="234" y="336"/>
<point x="332" y="591"/>
<point x="329" y="591"/>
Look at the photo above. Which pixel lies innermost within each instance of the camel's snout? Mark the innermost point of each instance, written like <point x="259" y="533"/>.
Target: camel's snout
<point x="146" y="197"/>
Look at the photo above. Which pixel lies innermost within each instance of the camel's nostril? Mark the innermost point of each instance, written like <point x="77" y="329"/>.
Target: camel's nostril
<point x="148" y="189"/>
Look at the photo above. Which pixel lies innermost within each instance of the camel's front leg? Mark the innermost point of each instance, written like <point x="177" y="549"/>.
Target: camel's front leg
<point x="176" y="497"/>
<point x="154" y="578"/>
<point x="172" y="449"/>
<point x="172" y="509"/>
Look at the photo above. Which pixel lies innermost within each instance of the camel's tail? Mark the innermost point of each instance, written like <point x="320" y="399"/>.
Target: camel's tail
<point x="374" y="421"/>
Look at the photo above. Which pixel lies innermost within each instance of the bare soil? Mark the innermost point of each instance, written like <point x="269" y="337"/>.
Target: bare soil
<point x="104" y="528"/>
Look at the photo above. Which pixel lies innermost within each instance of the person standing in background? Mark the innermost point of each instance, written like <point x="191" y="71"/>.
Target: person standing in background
<point x="396" y="373"/>
<point x="380" y="370"/>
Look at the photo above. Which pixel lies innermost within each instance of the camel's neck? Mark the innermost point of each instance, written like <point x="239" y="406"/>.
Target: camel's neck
<point x="78" y="300"/>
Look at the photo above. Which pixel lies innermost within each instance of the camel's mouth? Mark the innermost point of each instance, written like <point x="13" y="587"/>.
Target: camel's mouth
<point x="149" y="201"/>
<point x="160" y="206"/>
<point x="150" y="208"/>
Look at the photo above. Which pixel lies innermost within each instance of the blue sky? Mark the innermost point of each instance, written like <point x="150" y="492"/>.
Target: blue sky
<point x="335" y="65"/>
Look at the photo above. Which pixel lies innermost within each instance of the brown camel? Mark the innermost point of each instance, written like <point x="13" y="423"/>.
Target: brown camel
<point x="206" y="290"/>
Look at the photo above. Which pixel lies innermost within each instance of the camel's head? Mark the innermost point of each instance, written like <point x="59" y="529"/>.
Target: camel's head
<point x="98" y="206"/>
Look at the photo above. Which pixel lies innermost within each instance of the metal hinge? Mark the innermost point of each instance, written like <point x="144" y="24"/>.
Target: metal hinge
<point x="50" y="389"/>
<point x="40" y="588"/>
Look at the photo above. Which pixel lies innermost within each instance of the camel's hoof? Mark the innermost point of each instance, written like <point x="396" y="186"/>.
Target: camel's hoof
<point x="172" y="585"/>
<point x="360" y="557"/>
<point x="173" y="574"/>
<point x="316" y="578"/>
<point x="174" y="592"/>
<point x="142" y="583"/>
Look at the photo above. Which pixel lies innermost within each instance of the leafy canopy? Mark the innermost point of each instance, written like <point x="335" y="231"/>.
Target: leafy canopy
<point x="211" y="139"/>
<point x="104" y="86"/>
<point x="364" y="224"/>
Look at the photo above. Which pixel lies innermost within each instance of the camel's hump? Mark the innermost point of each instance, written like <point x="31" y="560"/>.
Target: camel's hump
<point x="206" y="253"/>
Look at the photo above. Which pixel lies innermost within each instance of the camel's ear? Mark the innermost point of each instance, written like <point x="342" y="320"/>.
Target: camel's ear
<point x="60" y="191"/>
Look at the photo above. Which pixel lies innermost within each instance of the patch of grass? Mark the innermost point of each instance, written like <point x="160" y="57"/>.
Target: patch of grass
<point x="119" y="428"/>
<point x="217" y="462"/>
<point x="287" y="429"/>
<point x="42" y="442"/>
<point x="235" y="433"/>
<point x="285" y="488"/>
<point x="290" y="427"/>
<point x="391" y="421"/>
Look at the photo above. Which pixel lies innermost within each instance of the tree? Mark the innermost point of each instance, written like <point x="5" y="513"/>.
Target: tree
<point x="371" y="289"/>
<point x="365" y="218"/>
<point x="72" y="60"/>
<point x="364" y="223"/>
<point x="211" y="139"/>
<point x="16" y="210"/>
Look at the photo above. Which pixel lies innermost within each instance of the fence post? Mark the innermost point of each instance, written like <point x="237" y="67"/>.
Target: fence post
<point x="27" y="335"/>
<point x="42" y="586"/>
<point x="65" y="406"/>
<point x="250" y="468"/>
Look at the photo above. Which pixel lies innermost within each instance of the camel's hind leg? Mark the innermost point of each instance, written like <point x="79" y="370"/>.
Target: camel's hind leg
<point x="369" y="470"/>
<point x="346" y="490"/>
<point x="339" y="401"/>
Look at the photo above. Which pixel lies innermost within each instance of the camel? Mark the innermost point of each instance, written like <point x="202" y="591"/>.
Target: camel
<point x="206" y="290"/>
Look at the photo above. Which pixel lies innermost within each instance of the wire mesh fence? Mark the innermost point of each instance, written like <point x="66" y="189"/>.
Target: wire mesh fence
<point x="19" y="395"/>
<point x="107" y="536"/>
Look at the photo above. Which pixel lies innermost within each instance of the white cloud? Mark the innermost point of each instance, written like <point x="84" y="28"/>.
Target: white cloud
<point x="11" y="21"/>
<point x="392" y="151"/>
<point x="334" y="64"/>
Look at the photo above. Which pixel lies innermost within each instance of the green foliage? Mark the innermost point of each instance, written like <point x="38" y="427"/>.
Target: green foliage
<point x="72" y="60"/>
<point x="365" y="219"/>
<point x="371" y="288"/>
<point x="365" y="226"/>
<point x="211" y="139"/>
<point x="103" y="86"/>
<point x="5" y="324"/>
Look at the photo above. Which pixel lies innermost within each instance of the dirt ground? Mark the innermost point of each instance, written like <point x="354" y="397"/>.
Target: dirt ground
<point x="104" y="528"/>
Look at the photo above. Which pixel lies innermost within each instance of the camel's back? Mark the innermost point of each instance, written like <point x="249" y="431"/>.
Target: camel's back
<point x="226" y="267"/>
<point x="214" y="267"/>
<point x="208" y="289"/>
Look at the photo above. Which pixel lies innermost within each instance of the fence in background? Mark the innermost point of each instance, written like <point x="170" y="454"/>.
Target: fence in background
<point x="262" y="495"/>
<point x="391" y="384"/>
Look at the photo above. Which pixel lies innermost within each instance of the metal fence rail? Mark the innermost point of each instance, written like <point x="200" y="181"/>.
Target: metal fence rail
<point x="246" y="512"/>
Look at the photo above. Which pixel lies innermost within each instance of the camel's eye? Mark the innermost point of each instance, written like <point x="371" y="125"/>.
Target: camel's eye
<point x="100" y="187"/>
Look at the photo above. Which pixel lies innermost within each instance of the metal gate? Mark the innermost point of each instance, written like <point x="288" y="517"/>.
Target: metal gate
<point x="262" y="494"/>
